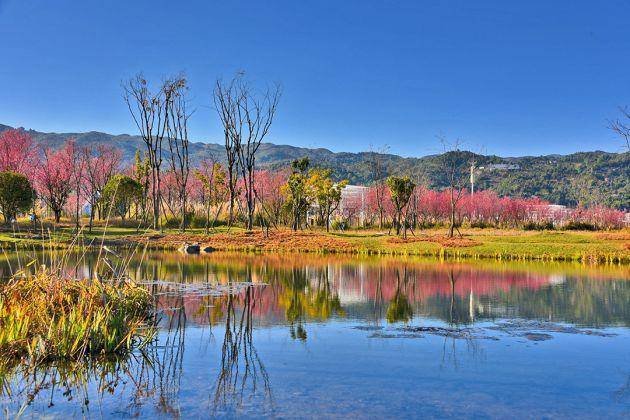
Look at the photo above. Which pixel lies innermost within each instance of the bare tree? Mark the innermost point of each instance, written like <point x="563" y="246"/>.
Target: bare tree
<point x="177" y="134"/>
<point x="247" y="116"/>
<point x="455" y="166"/>
<point x="378" y="172"/>
<point x="621" y="125"/>
<point x="77" y="169"/>
<point x="211" y="175"/>
<point x="149" y="111"/>
<point x="100" y="163"/>
<point x="258" y="112"/>
<point x="226" y="101"/>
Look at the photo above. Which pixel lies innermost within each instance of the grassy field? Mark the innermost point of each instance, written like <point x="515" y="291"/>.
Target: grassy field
<point x="600" y="247"/>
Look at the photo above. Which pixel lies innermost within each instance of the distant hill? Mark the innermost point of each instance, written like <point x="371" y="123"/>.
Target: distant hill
<point x="586" y="177"/>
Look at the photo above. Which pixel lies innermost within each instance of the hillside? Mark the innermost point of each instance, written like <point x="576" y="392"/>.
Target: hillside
<point x="586" y="177"/>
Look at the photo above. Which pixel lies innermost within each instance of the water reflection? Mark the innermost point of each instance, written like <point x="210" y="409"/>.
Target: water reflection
<point x="242" y="373"/>
<point x="207" y="361"/>
<point x="316" y="289"/>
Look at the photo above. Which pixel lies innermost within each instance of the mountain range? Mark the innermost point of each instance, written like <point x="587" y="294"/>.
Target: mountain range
<point x="586" y="178"/>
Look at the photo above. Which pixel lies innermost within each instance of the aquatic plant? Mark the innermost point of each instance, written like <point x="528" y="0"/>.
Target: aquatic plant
<point x="47" y="316"/>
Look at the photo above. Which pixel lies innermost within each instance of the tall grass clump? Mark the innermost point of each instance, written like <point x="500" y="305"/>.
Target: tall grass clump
<point x="47" y="316"/>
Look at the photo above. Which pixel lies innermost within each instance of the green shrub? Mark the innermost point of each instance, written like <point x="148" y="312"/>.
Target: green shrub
<point x="576" y="225"/>
<point x="119" y="193"/>
<point x="539" y="226"/>
<point x="480" y="225"/>
<point x="16" y="194"/>
<point x="172" y="222"/>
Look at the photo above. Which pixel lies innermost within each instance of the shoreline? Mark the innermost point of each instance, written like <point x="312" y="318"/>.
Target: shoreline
<point x="476" y="244"/>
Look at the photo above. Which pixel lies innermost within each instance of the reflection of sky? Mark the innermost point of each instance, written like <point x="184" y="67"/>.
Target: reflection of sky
<point x="322" y="365"/>
<point x="341" y="372"/>
<point x="477" y="294"/>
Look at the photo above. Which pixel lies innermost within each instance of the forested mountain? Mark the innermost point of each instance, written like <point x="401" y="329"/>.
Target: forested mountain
<point x="586" y="177"/>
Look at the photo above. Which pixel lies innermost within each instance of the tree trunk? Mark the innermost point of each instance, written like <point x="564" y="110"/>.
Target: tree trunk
<point x="452" y="226"/>
<point x="77" y="224"/>
<point x="91" y="218"/>
<point x="182" y="225"/>
<point x="207" y="219"/>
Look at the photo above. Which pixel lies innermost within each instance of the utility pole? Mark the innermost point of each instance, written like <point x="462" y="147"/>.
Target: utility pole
<point x="472" y="178"/>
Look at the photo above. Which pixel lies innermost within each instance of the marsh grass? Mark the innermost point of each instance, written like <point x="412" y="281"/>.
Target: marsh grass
<point x="49" y="311"/>
<point x="45" y="316"/>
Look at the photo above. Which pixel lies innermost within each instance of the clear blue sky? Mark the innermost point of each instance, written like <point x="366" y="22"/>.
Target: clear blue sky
<point x="511" y="78"/>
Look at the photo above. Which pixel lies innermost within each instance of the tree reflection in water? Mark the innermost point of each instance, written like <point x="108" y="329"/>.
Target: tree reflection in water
<point x="241" y="371"/>
<point x="22" y="384"/>
<point x="400" y="309"/>
<point x="456" y="299"/>
<point x="456" y="317"/>
<point x="152" y="374"/>
<point x="167" y="361"/>
<point x="308" y="297"/>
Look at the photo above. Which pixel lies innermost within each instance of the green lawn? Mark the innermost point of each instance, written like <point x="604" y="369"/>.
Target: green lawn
<point x="476" y="243"/>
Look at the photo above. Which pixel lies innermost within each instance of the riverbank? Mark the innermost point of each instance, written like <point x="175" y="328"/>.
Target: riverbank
<point x="588" y="247"/>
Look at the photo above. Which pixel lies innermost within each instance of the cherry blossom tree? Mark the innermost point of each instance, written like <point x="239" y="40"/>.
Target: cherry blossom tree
<point x="18" y="152"/>
<point x="100" y="164"/>
<point x="210" y="188"/>
<point x="269" y="192"/>
<point x="53" y="177"/>
<point x="77" y="177"/>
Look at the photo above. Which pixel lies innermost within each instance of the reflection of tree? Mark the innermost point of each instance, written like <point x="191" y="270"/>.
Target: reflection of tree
<point x="168" y="361"/>
<point x="400" y="309"/>
<point x="296" y="303"/>
<point x="241" y="368"/>
<point x="24" y="384"/>
<point x="301" y="298"/>
<point x="593" y="303"/>
<point x="455" y="314"/>
<point x="378" y="297"/>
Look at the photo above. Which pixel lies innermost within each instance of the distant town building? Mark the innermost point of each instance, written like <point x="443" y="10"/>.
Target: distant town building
<point x="353" y="205"/>
<point x="500" y="167"/>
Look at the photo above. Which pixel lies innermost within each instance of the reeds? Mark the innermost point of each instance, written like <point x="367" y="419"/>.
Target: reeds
<point x="47" y="316"/>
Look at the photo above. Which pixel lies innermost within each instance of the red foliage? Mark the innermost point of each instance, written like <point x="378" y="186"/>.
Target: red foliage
<point x="18" y="152"/>
<point x="53" y="177"/>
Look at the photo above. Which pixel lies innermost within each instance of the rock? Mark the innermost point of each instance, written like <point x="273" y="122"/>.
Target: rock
<point x="537" y="336"/>
<point x="368" y="327"/>
<point x="190" y="248"/>
<point x="208" y="249"/>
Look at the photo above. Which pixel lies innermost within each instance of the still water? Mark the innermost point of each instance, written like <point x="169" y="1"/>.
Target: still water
<point x="313" y="336"/>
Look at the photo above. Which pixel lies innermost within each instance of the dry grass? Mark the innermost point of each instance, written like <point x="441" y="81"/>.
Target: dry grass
<point x="47" y="316"/>
<point x="476" y="243"/>
<point x="281" y="240"/>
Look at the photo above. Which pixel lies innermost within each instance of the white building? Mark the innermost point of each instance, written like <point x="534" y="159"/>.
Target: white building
<point x="353" y="203"/>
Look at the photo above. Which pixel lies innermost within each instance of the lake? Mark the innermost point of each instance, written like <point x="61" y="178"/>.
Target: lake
<point x="329" y="336"/>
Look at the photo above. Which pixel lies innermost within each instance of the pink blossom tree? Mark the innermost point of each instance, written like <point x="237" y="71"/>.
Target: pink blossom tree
<point x="53" y="177"/>
<point x="18" y="152"/>
<point x="268" y="191"/>
<point x="100" y="164"/>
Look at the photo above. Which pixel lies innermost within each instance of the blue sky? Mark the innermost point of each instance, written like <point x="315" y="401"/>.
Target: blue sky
<point x="509" y="78"/>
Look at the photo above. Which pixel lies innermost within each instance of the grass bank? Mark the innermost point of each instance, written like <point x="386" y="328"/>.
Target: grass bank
<point x="500" y="244"/>
<point x="476" y="244"/>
